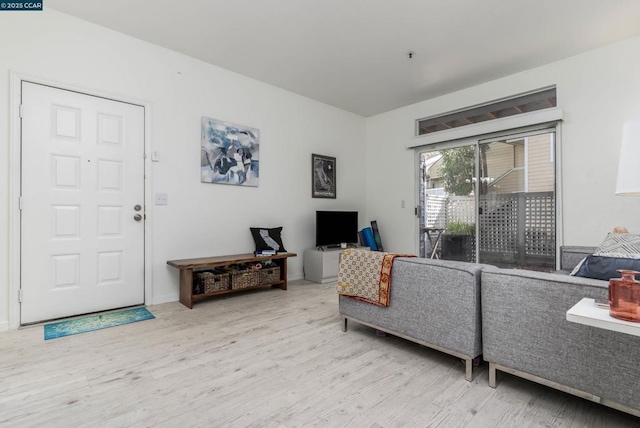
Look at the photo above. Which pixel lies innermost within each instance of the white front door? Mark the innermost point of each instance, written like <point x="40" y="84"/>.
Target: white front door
<point x="82" y="246"/>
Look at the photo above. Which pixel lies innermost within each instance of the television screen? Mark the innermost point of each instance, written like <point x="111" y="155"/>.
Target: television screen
<point x="336" y="227"/>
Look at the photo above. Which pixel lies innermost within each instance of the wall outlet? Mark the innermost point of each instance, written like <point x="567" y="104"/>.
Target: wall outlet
<point x="161" y="199"/>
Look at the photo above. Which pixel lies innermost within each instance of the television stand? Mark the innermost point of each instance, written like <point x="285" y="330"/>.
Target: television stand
<point x="332" y="247"/>
<point x="321" y="265"/>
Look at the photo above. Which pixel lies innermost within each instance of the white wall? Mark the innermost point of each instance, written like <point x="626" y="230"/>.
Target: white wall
<point x="201" y="219"/>
<point x="597" y="90"/>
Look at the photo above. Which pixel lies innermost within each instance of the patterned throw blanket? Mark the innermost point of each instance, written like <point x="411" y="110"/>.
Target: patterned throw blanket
<point x="366" y="275"/>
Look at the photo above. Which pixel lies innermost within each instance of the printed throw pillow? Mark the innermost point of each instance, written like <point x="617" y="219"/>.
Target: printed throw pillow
<point x="605" y="268"/>
<point x="268" y="239"/>
<point x="624" y="245"/>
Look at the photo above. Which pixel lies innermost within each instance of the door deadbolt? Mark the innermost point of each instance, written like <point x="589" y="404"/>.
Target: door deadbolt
<point x="137" y="208"/>
<point x="137" y="217"/>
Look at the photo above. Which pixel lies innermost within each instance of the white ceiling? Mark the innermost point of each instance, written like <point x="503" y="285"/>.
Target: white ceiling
<point x="353" y="54"/>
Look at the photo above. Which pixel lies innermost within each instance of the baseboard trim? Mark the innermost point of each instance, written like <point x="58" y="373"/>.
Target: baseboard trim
<point x="4" y="325"/>
<point x="165" y="298"/>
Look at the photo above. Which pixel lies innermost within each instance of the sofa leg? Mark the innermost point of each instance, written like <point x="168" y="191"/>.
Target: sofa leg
<point x="344" y="324"/>
<point x="492" y="375"/>
<point x="468" y="363"/>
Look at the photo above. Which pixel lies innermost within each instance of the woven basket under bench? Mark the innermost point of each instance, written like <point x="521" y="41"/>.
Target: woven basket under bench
<point x="245" y="279"/>
<point x="269" y="275"/>
<point x="211" y="281"/>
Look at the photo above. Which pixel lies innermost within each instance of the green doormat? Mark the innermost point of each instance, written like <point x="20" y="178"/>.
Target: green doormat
<point x="95" y="322"/>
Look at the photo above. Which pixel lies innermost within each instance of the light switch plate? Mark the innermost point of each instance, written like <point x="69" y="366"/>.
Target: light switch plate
<point x="155" y="156"/>
<point x="161" y="199"/>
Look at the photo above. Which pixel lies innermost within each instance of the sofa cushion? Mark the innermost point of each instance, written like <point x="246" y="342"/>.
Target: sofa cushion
<point x="604" y="267"/>
<point x="625" y="245"/>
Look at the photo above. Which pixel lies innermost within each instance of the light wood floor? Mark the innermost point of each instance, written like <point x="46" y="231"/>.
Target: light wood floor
<point x="267" y="358"/>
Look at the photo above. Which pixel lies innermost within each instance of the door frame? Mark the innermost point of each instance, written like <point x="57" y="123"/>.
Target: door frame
<point x="15" y="182"/>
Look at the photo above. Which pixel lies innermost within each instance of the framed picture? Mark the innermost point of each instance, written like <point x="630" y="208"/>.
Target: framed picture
<point x="323" y="176"/>
<point x="229" y="153"/>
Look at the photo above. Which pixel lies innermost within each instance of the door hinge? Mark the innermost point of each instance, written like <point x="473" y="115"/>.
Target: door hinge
<point x="20" y="111"/>
<point x="20" y="295"/>
<point x="20" y="204"/>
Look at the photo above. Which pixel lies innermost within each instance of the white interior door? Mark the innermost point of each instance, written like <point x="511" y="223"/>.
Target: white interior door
<point x="82" y="250"/>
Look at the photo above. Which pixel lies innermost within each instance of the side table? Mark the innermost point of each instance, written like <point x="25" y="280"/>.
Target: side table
<point x="586" y="312"/>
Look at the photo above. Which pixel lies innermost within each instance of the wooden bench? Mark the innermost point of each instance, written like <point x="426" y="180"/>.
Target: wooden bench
<point x="188" y="266"/>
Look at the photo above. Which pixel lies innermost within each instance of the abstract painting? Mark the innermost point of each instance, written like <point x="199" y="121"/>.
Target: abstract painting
<point x="230" y="154"/>
<point x="323" y="176"/>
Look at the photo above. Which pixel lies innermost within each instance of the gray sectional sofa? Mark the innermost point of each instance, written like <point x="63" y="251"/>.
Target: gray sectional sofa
<point x="433" y="302"/>
<point x="525" y="333"/>
<point x="515" y="319"/>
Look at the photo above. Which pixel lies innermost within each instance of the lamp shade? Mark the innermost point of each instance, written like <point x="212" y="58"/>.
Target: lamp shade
<point x="629" y="165"/>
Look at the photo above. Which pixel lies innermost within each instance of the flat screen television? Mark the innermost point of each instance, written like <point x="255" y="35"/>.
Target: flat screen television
<point x="336" y="227"/>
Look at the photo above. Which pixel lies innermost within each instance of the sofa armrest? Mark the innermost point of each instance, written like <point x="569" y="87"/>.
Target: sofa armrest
<point x="570" y="256"/>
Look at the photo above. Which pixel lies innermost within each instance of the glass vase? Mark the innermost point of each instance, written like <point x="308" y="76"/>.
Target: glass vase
<point x="624" y="296"/>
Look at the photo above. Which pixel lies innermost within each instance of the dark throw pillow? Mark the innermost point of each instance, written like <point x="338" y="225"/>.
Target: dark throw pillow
<point x="605" y="268"/>
<point x="268" y="239"/>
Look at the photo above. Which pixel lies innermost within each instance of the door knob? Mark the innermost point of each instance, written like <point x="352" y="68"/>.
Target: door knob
<point x="137" y="217"/>
<point x="137" y="208"/>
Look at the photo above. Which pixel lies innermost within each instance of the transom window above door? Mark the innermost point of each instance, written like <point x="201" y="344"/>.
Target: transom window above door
<point x="538" y="100"/>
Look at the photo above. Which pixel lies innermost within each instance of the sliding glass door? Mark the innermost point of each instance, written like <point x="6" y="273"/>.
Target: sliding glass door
<point x="491" y="201"/>
<point x="517" y="203"/>
<point x="448" y="203"/>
